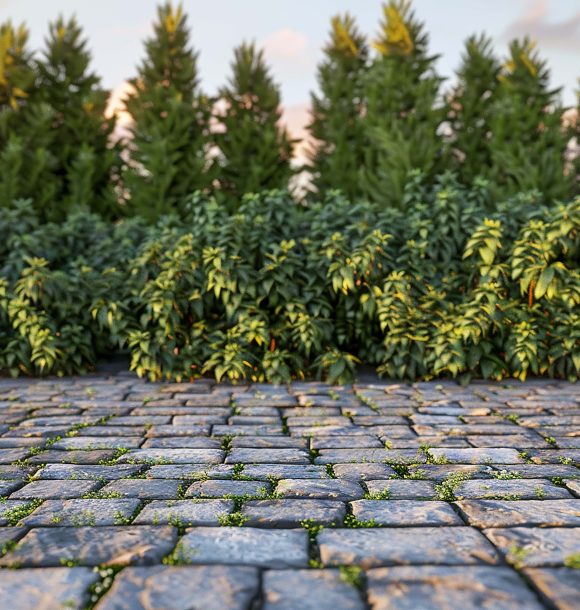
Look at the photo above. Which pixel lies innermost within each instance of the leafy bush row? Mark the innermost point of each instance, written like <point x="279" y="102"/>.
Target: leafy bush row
<point x="457" y="285"/>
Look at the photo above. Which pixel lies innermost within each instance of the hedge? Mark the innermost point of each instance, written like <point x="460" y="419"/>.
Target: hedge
<point x="457" y="285"/>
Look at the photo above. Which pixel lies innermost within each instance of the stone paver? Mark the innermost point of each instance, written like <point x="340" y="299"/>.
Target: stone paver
<point x="184" y="512"/>
<point x="443" y="588"/>
<point x="405" y="512"/>
<point x="182" y="588"/>
<point x="309" y="590"/>
<point x="91" y="546"/>
<point x="62" y="513"/>
<point x="418" y="545"/>
<point x="500" y="513"/>
<point x="376" y="495"/>
<point x="558" y="586"/>
<point x="535" y="547"/>
<point x="291" y="513"/>
<point x="46" y="589"/>
<point x="244" y="545"/>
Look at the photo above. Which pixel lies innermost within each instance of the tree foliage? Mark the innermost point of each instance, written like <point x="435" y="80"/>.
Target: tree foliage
<point x="170" y="121"/>
<point x="338" y="152"/>
<point x="254" y="150"/>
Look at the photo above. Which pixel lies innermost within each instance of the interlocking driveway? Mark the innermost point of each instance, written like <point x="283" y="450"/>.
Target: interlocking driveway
<point x="122" y="494"/>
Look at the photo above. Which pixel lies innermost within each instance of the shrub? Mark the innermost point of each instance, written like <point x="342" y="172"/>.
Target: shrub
<point x="457" y="286"/>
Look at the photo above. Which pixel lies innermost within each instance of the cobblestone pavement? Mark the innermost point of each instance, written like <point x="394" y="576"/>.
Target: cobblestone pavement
<point x="122" y="494"/>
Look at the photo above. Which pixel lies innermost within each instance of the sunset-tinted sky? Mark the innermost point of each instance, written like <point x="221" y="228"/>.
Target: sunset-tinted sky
<point x="294" y="32"/>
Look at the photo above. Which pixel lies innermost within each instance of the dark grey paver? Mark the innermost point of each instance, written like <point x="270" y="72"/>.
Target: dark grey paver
<point x="145" y="489"/>
<point x="91" y="546"/>
<point x="292" y="513"/>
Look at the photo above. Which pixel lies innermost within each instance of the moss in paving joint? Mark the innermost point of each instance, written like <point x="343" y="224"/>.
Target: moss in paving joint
<point x="119" y="451"/>
<point x="313" y="529"/>
<point x="566" y="461"/>
<point x="330" y="471"/>
<point x="446" y="489"/>
<point x="226" y="445"/>
<point x="313" y="454"/>
<point x="505" y="475"/>
<point x="517" y="555"/>
<point x="238" y="473"/>
<point x="8" y="546"/>
<point x="551" y="441"/>
<point x="351" y="521"/>
<point x="353" y="576"/>
<point x="285" y="428"/>
<point x="100" y="495"/>
<point x="540" y="493"/>
<point x="371" y="404"/>
<point x="385" y="494"/>
<point x="526" y="457"/>
<point x="402" y="471"/>
<point x="182" y="488"/>
<point x="235" y="407"/>
<point x="98" y="589"/>
<point x="14" y="515"/>
<point x="558" y="481"/>
<point x="235" y="519"/>
<point x="572" y="561"/>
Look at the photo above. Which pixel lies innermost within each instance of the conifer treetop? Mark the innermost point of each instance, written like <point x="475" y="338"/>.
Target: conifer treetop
<point x="16" y="72"/>
<point x="401" y="34"/>
<point x="170" y="64"/>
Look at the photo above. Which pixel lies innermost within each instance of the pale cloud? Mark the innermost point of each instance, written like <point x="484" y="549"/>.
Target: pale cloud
<point x="296" y="118"/>
<point x="287" y="45"/>
<point x="116" y="107"/>
<point x="564" y="35"/>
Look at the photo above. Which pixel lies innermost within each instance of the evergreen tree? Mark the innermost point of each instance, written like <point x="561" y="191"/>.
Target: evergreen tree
<point x="16" y="68"/>
<point x="528" y="144"/>
<point x="255" y="153"/>
<point x="402" y="116"/>
<point x="469" y="107"/>
<point x="338" y="153"/>
<point x="84" y="159"/>
<point x="26" y="135"/>
<point x="170" y="121"/>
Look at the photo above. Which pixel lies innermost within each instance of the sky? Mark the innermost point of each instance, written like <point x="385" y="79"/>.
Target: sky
<point x="294" y="32"/>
